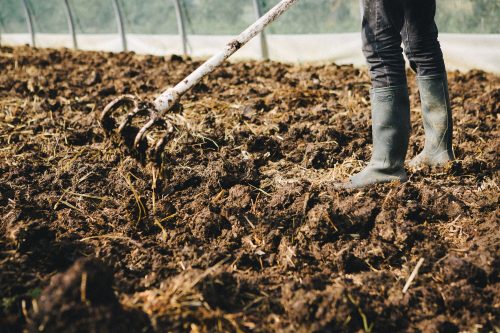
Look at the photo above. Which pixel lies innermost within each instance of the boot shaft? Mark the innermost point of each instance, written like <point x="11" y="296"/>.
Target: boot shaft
<point x="436" y="114"/>
<point x="390" y="126"/>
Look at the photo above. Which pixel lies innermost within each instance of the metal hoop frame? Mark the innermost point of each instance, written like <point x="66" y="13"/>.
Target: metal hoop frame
<point x="259" y="11"/>
<point x="120" y="23"/>
<point x="29" y="21"/>
<point x="181" y="25"/>
<point x="71" y="23"/>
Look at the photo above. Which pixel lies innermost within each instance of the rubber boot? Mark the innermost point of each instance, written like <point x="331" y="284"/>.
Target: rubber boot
<point x="390" y="130"/>
<point x="438" y="125"/>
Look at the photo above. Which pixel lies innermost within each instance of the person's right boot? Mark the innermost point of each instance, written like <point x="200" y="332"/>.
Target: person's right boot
<point x="438" y="126"/>
<point x="390" y="131"/>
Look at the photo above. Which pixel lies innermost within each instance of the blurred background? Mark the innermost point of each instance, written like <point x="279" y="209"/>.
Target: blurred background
<point x="313" y="30"/>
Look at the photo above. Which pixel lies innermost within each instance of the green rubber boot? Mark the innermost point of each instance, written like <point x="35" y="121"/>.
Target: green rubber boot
<point x="390" y="130"/>
<point x="438" y="125"/>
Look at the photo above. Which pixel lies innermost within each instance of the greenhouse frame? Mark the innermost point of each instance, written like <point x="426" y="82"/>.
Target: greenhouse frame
<point x="200" y="28"/>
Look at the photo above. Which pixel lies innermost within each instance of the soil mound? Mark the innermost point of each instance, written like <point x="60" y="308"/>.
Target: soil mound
<point x="237" y="227"/>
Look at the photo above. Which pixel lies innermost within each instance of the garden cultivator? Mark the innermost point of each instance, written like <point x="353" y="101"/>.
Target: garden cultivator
<point x="157" y="110"/>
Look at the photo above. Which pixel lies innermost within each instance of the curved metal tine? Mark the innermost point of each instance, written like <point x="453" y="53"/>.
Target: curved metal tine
<point x="138" y="107"/>
<point x="153" y="120"/>
<point x="114" y="105"/>
<point x="161" y="143"/>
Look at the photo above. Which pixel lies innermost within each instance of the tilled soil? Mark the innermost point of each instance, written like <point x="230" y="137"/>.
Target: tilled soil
<point x="238" y="227"/>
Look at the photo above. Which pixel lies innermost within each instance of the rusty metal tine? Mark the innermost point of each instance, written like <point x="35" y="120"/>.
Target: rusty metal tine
<point x="152" y="121"/>
<point x="160" y="144"/>
<point x="116" y="103"/>
<point x="152" y="114"/>
<point x="128" y="119"/>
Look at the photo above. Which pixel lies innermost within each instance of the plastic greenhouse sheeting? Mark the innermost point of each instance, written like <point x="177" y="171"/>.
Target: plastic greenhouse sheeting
<point x="314" y="30"/>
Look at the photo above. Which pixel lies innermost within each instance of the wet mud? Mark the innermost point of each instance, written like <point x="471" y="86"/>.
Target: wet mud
<point x="237" y="227"/>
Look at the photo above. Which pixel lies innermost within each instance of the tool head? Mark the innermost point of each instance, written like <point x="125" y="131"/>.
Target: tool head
<point x="133" y="136"/>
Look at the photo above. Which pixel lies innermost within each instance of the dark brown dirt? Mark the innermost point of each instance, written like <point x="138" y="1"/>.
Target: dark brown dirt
<point x="238" y="228"/>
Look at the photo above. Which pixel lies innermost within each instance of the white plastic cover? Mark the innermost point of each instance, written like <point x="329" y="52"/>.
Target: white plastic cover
<point x="461" y="51"/>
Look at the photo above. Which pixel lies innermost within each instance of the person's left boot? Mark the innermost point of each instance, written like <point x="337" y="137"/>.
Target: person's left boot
<point x="438" y="125"/>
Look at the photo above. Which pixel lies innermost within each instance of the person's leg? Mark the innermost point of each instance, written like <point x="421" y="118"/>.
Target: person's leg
<point x="381" y="26"/>
<point x="420" y="37"/>
<point x="382" y="22"/>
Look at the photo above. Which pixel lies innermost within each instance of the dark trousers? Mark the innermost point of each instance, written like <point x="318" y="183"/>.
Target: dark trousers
<point x="387" y="24"/>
